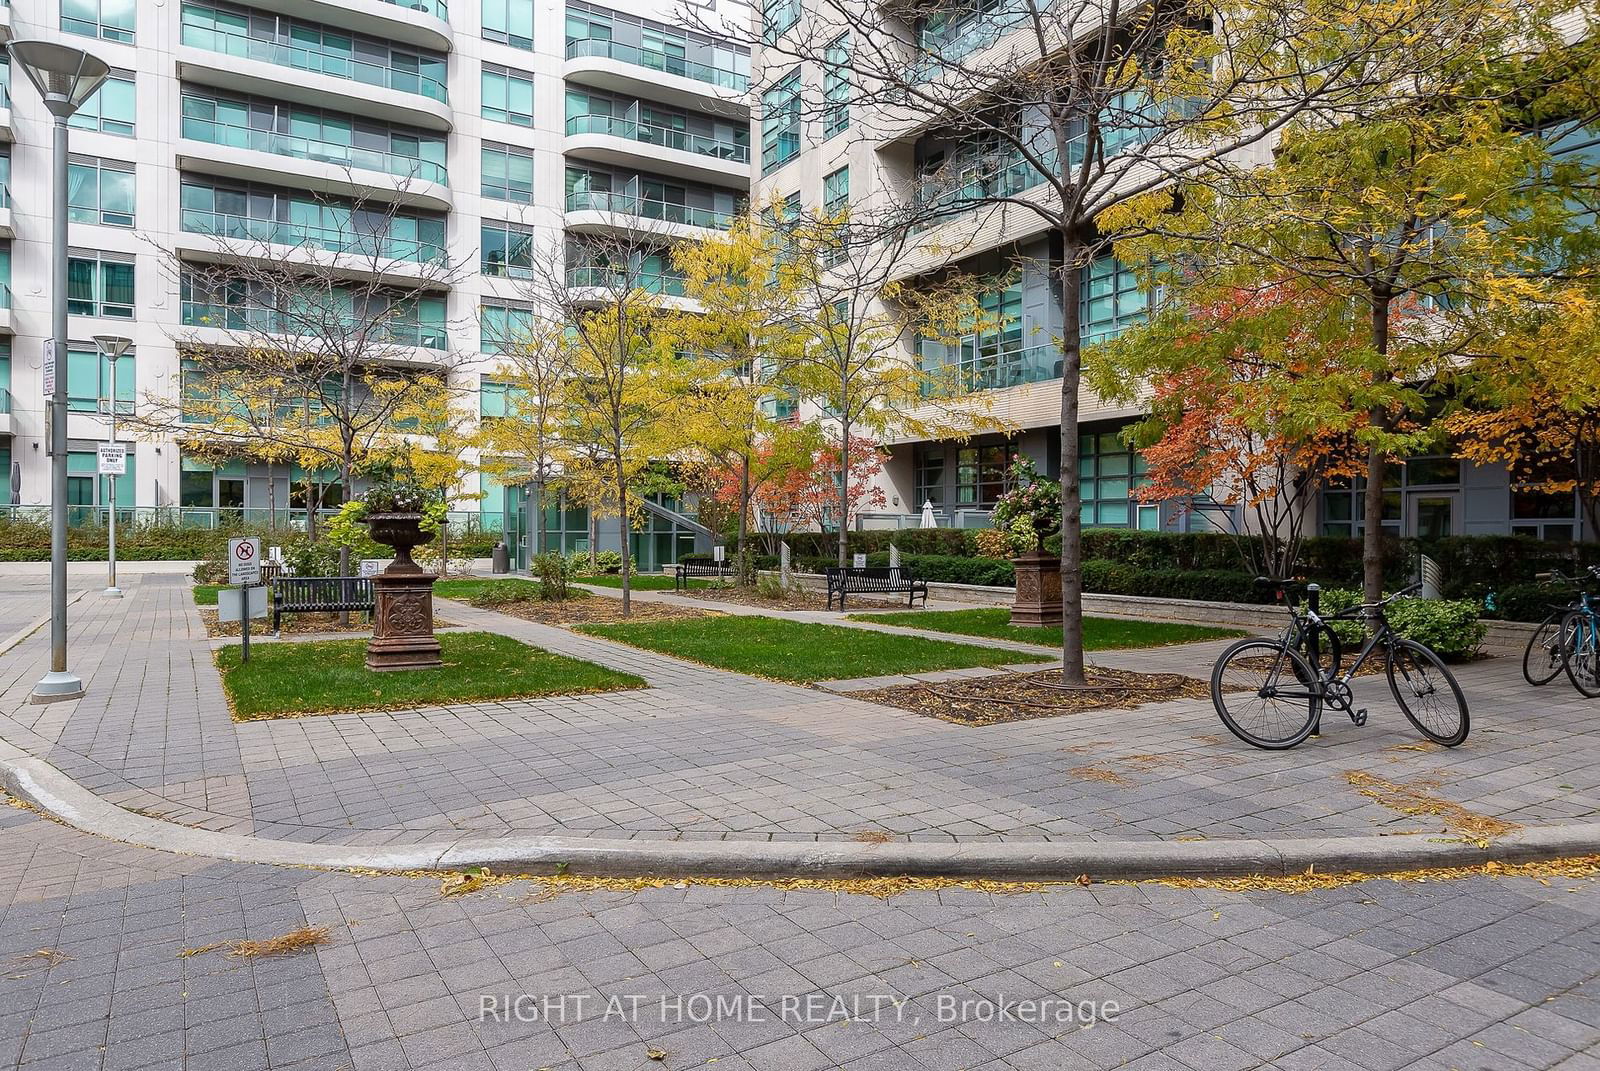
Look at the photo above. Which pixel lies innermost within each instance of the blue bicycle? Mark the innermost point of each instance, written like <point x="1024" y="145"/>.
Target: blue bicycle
<point x="1580" y="647"/>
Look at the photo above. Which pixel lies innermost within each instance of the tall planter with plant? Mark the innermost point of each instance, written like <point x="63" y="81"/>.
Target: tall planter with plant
<point x="1031" y="513"/>
<point x="395" y="510"/>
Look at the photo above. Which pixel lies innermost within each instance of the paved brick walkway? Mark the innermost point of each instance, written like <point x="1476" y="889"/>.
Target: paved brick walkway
<point x="703" y="753"/>
<point x="1479" y="975"/>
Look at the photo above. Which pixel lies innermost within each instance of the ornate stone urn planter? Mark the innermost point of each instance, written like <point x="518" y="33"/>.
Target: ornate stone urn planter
<point x="1038" y="590"/>
<point x="402" y="630"/>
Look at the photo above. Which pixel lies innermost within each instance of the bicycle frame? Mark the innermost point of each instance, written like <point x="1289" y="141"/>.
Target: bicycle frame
<point x="1332" y="687"/>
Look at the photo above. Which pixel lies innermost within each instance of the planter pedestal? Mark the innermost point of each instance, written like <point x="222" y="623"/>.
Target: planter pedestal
<point x="1038" y="590"/>
<point x="402" y="595"/>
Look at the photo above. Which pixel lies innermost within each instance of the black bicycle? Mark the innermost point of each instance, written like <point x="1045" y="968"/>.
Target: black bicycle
<point x="1270" y="693"/>
<point x="1553" y="644"/>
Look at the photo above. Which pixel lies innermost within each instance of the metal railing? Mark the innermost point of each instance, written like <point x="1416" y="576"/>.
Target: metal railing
<point x="334" y="64"/>
<point x="658" y="61"/>
<point x="943" y="518"/>
<point x="436" y="8"/>
<point x="612" y="279"/>
<point x="290" y="145"/>
<point x="625" y="204"/>
<point x="216" y="518"/>
<point x="656" y="134"/>
<point x="271" y="321"/>
<point x="1007" y="368"/>
<point x="329" y="239"/>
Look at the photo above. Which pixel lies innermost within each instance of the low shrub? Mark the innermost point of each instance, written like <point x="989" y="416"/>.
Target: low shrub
<point x="1218" y="585"/>
<point x="1527" y="602"/>
<point x="556" y="572"/>
<point x="1449" y="627"/>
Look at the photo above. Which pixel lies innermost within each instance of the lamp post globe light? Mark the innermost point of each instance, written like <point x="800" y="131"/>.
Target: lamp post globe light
<point x="112" y="347"/>
<point x="65" y="77"/>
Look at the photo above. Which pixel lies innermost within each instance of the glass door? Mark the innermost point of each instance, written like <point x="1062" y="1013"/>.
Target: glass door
<point x="1434" y="516"/>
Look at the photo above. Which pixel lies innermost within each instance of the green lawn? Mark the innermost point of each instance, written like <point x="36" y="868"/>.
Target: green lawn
<point x="329" y="676"/>
<point x="206" y="594"/>
<point x="1099" y="633"/>
<point x="647" y="582"/>
<point x="800" y="651"/>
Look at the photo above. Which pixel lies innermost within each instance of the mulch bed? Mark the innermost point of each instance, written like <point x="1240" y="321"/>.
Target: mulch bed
<point x="795" y="600"/>
<point x="297" y="624"/>
<point x="596" y="611"/>
<point x="1007" y="697"/>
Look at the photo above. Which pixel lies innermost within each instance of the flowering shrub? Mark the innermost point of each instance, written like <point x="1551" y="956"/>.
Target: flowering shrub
<point x="1031" y="510"/>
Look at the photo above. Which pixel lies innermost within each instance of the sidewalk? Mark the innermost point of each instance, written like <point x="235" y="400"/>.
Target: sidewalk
<point x="708" y="755"/>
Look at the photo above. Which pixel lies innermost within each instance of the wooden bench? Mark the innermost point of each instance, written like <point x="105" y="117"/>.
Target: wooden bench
<point x="875" y="580"/>
<point x="319" y="594"/>
<point x="687" y="570"/>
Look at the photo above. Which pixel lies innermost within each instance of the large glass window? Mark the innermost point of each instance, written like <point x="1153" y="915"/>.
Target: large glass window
<point x="100" y="284"/>
<point x="510" y="22"/>
<point x="111" y="109"/>
<point x="836" y="193"/>
<point x="1111" y="300"/>
<point x="1431" y="484"/>
<point x="100" y="191"/>
<point x="507" y="173"/>
<point x="780" y="121"/>
<point x="507" y="250"/>
<point x="112" y="20"/>
<point x="836" y="87"/>
<point x="507" y="96"/>
<point x="1108" y="471"/>
<point x="1544" y="515"/>
<point x="981" y="474"/>
<point x="502" y="325"/>
<point x="777" y="16"/>
<point x="930" y="476"/>
<point x="300" y="218"/>
<point x="89" y="380"/>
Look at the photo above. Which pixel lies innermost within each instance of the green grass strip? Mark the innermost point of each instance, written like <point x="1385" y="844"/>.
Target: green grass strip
<point x="647" y="582"/>
<point x="329" y="676"/>
<point x="801" y="651"/>
<point x="1099" y="633"/>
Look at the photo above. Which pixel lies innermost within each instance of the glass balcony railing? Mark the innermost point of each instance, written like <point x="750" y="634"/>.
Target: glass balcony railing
<point x="5" y="295"/>
<point x="654" y="134"/>
<point x="1006" y="368"/>
<point x="5" y="401"/>
<point x="436" y="8"/>
<point x="658" y="61"/>
<point x="624" y="204"/>
<point x="330" y="152"/>
<point x="338" y="65"/>
<point x="610" y="279"/>
<point x="328" y="239"/>
<point x="270" y="321"/>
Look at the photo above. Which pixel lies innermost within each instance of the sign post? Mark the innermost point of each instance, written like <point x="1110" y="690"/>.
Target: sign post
<point x="244" y="569"/>
<point x="111" y="461"/>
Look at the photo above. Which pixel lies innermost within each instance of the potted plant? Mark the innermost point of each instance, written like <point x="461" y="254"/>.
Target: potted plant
<point x="395" y="509"/>
<point x="1031" y="513"/>
<point x="399" y="513"/>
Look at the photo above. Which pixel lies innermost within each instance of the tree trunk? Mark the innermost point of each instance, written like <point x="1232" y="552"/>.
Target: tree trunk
<point x="444" y="538"/>
<point x="347" y="485"/>
<point x="538" y="517"/>
<point x="594" y="540"/>
<point x="1071" y="489"/>
<point x="1372" y="530"/>
<point x="844" y="491"/>
<point x="746" y="573"/>
<point x="627" y="538"/>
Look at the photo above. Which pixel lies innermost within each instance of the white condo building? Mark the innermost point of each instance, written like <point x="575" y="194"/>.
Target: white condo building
<point x="493" y="125"/>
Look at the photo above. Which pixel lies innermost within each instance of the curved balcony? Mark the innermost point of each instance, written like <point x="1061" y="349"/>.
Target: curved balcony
<point x="656" y="76"/>
<point x="613" y="140"/>
<point x="311" y="163"/>
<point x="595" y="285"/>
<point x="219" y="237"/>
<point x="224" y="326"/>
<point x="306" y="76"/>
<point x="416" y="22"/>
<point x="598" y="210"/>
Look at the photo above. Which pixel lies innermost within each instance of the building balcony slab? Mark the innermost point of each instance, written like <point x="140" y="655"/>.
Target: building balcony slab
<point x="321" y="176"/>
<point x="657" y="159"/>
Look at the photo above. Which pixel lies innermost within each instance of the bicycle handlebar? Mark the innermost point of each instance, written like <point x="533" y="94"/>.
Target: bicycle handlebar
<point x="1557" y="576"/>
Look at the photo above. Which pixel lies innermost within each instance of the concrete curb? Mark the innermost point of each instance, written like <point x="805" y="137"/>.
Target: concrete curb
<point x="43" y="786"/>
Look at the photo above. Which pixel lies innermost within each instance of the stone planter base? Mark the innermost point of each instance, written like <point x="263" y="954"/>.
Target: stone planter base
<point x="402" y="628"/>
<point x="1038" y="590"/>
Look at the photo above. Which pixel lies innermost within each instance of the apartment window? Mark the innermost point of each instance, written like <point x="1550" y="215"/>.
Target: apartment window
<point x="111" y="110"/>
<point x="300" y="218"/>
<point x="836" y="193"/>
<point x="836" y="87"/>
<point x="5" y="177"/>
<point x="1420" y="498"/>
<point x="780" y="121"/>
<point x="1541" y="514"/>
<point x="89" y="380"/>
<point x="776" y="17"/>
<point x="510" y="22"/>
<point x="930" y="476"/>
<point x="100" y="284"/>
<point x="108" y="19"/>
<point x="1108" y="471"/>
<point x="1110" y="302"/>
<point x="507" y="173"/>
<point x="100" y="192"/>
<point x="502" y="325"/>
<point x="507" y="250"/>
<point x="87" y="489"/>
<point x="507" y="96"/>
<point x="981" y="474"/>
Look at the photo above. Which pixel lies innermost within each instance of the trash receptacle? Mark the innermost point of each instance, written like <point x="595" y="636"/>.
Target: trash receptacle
<point x="501" y="559"/>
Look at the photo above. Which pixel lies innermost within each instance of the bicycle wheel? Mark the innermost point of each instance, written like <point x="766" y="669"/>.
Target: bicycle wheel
<point x="1541" y="662"/>
<point x="1427" y="692"/>
<point x="1580" y="654"/>
<point x="1244" y="684"/>
<point x="1329" y="651"/>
